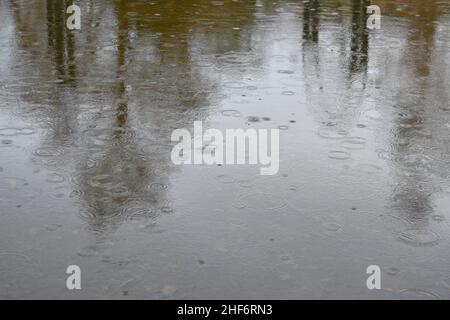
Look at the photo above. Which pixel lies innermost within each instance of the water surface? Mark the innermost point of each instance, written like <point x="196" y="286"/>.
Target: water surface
<point x="85" y="171"/>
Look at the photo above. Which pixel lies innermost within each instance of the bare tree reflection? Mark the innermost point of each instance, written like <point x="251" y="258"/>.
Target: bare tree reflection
<point x="359" y="43"/>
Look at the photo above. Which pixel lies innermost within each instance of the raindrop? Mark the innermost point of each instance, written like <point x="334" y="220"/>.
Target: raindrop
<point x="288" y="93"/>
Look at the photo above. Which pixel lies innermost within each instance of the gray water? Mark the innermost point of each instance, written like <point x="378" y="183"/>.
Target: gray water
<point x="86" y="177"/>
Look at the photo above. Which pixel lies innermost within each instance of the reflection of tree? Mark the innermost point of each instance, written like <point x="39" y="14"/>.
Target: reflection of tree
<point x="415" y="160"/>
<point x="60" y="39"/>
<point x="311" y="20"/>
<point x="121" y="154"/>
<point x="359" y="44"/>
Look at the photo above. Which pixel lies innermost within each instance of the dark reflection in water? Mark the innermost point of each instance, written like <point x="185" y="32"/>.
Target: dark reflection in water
<point x="359" y="37"/>
<point x="60" y="39"/>
<point x="85" y="124"/>
<point x="311" y="20"/>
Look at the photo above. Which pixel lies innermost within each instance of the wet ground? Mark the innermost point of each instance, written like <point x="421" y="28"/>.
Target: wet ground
<point x="85" y="171"/>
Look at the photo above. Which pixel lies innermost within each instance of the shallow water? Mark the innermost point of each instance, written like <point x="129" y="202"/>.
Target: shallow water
<point x="86" y="177"/>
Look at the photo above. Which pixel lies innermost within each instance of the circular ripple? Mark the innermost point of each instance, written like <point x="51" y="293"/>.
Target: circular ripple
<point x="333" y="227"/>
<point x="421" y="294"/>
<point x="328" y="133"/>
<point x="136" y="212"/>
<point x="225" y="178"/>
<point x="353" y="143"/>
<point x="419" y="237"/>
<point x="108" y="136"/>
<point x="235" y="85"/>
<point x="285" y="71"/>
<point x="55" y="178"/>
<point x="231" y="113"/>
<point x="338" y="155"/>
<point x="157" y="187"/>
<point x="9" y="132"/>
<point x="48" y="152"/>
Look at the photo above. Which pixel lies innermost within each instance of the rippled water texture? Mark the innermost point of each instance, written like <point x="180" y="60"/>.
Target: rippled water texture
<point x="85" y="172"/>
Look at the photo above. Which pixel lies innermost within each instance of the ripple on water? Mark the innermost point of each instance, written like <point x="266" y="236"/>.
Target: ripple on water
<point x="135" y="211"/>
<point x="438" y="218"/>
<point x="418" y="293"/>
<point x="231" y="113"/>
<point x="235" y="85"/>
<point x="108" y="136"/>
<point x="330" y="133"/>
<point x="237" y="58"/>
<point x="333" y="227"/>
<point x="368" y="168"/>
<point x="12" y="132"/>
<point x="47" y="152"/>
<point x="55" y="178"/>
<point x="253" y="119"/>
<point x="260" y="200"/>
<point x="338" y="155"/>
<point x="284" y="71"/>
<point x="225" y="178"/>
<point x="353" y="143"/>
<point x="157" y="187"/>
<point x="419" y="237"/>
<point x="393" y="271"/>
